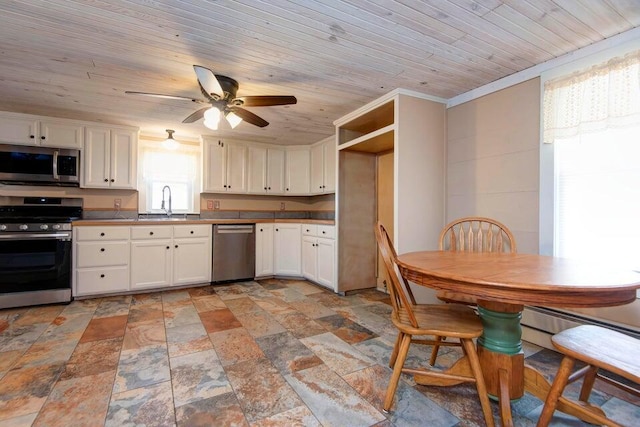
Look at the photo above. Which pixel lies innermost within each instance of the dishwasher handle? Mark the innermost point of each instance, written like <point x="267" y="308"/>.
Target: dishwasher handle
<point x="233" y="229"/>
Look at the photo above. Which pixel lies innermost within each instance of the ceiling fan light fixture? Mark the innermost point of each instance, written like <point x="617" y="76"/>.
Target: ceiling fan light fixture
<point x="212" y="118"/>
<point x="170" y="143"/>
<point x="233" y="119"/>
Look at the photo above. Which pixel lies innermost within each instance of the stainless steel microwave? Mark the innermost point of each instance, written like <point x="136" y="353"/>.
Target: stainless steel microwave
<point x="21" y="164"/>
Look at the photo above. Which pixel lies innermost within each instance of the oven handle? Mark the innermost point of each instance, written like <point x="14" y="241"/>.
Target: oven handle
<point x="31" y="236"/>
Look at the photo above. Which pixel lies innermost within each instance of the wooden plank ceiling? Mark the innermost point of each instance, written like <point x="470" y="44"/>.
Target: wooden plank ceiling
<point x="76" y="58"/>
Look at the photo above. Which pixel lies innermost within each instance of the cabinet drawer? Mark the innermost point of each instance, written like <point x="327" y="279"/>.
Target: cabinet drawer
<point x="101" y="233"/>
<point x="326" y="231"/>
<point x="150" y="232"/>
<point x="99" y="254"/>
<point x="309" y="229"/>
<point x="90" y="281"/>
<point x="192" y="230"/>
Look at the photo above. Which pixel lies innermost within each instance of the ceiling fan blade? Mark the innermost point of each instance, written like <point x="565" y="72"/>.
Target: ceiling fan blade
<point x="196" y="115"/>
<point x="208" y="81"/>
<point x="249" y="117"/>
<point x="265" y="100"/>
<point x="159" y="95"/>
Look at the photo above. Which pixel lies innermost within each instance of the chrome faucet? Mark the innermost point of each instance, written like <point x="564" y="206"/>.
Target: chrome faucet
<point x="166" y="187"/>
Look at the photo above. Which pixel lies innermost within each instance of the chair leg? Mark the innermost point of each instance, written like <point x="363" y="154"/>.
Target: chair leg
<point x="397" y="370"/>
<point x="474" y="362"/>
<point x="394" y="353"/>
<point x="434" y="352"/>
<point x="559" y="383"/>
<point x="588" y="382"/>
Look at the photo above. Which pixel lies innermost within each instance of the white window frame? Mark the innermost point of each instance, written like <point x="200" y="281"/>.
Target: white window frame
<point x="547" y="153"/>
<point x="144" y="187"/>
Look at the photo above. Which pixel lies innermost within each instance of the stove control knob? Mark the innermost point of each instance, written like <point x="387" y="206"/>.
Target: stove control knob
<point x="44" y="227"/>
<point x="56" y="226"/>
<point x="24" y="227"/>
<point x="3" y="227"/>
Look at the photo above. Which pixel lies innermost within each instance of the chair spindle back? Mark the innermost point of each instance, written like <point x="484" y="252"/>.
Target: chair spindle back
<point x="477" y="234"/>
<point x="399" y="300"/>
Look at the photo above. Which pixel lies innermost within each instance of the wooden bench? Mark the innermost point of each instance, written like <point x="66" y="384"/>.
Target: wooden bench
<point x="599" y="348"/>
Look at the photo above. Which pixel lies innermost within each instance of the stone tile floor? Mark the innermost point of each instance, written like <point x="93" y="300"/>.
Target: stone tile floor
<point x="265" y="353"/>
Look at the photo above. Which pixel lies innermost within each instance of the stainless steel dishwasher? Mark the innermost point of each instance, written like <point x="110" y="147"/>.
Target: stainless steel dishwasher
<point x="234" y="252"/>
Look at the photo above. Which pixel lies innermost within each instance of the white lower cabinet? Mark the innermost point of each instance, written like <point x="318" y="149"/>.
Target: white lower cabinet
<point x="318" y="254"/>
<point x="151" y="263"/>
<point x="100" y="260"/>
<point x="264" y="250"/>
<point x="302" y="250"/>
<point x="287" y="249"/>
<point x="165" y="255"/>
<point x="191" y="260"/>
<point x="113" y="259"/>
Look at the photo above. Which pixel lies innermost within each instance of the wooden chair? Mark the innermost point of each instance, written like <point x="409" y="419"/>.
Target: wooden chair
<point x="599" y="348"/>
<point x="447" y="320"/>
<point x="472" y="234"/>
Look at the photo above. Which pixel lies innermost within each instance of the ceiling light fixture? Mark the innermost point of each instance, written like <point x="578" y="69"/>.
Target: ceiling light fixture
<point x="233" y="119"/>
<point x="170" y="143"/>
<point x="212" y="118"/>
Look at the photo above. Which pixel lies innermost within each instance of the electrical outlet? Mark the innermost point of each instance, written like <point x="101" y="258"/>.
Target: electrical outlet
<point x="209" y="204"/>
<point x="281" y="206"/>
<point x="117" y="203"/>
<point x="216" y="204"/>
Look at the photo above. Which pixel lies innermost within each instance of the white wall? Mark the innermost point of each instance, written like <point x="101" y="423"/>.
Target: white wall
<point x="493" y="160"/>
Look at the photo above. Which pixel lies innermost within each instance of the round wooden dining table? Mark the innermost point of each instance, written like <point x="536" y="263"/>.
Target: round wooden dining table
<point x="502" y="284"/>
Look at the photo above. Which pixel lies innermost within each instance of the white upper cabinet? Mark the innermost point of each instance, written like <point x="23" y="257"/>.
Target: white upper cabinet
<point x="63" y="134"/>
<point x="44" y="131"/>
<point x="323" y="166"/>
<point x="225" y="166"/>
<point x="257" y="170"/>
<point x="109" y="159"/>
<point x="246" y="167"/>
<point x="298" y="178"/>
<point x="275" y="171"/>
<point x="215" y="166"/>
<point x="265" y="170"/>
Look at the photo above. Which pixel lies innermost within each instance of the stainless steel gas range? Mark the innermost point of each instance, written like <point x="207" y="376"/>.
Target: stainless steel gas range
<point x="35" y="249"/>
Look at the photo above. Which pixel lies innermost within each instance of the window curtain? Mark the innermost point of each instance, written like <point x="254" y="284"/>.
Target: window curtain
<point x="604" y="96"/>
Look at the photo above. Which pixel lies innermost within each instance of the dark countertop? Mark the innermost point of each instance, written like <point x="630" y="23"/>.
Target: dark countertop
<point x="172" y="221"/>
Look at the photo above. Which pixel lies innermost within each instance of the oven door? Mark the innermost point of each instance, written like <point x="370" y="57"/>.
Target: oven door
<point x="35" y="268"/>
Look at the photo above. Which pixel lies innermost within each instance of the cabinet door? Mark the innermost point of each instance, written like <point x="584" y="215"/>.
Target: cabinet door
<point x="326" y="262"/>
<point x="151" y="263"/>
<point x="287" y="252"/>
<point x="297" y="176"/>
<point x="330" y="166"/>
<point x="123" y="164"/>
<point x="317" y="169"/>
<point x="257" y="170"/>
<point x="264" y="250"/>
<point x="17" y="130"/>
<point x="61" y="134"/>
<point x="309" y="258"/>
<point x="275" y="171"/>
<point x="215" y="166"/>
<point x="96" y="158"/>
<point x="237" y="168"/>
<point x="191" y="261"/>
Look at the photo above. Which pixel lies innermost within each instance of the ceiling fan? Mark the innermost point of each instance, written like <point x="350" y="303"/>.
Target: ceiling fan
<point x="220" y="92"/>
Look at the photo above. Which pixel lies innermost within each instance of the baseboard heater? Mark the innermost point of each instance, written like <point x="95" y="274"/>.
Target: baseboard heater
<point x="539" y="324"/>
